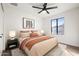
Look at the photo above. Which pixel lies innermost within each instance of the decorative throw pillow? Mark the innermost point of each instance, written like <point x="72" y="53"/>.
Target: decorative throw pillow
<point x="34" y="34"/>
<point x="38" y="32"/>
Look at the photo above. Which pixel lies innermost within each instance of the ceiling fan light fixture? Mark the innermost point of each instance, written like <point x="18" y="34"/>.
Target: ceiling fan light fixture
<point x="45" y="8"/>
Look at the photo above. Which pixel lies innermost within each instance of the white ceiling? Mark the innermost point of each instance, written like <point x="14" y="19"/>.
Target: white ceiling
<point x="27" y="8"/>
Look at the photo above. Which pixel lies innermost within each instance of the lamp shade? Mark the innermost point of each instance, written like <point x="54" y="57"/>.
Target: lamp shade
<point x="12" y="33"/>
<point x="42" y="31"/>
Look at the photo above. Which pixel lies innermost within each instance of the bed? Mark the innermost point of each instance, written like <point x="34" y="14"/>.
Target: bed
<point x="37" y="45"/>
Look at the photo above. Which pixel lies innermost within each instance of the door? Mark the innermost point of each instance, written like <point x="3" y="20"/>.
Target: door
<point x="1" y="29"/>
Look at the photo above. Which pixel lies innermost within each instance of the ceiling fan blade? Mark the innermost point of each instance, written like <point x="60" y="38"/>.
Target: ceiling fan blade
<point x="40" y="11"/>
<point x="51" y="7"/>
<point x="37" y="7"/>
<point x="47" y="11"/>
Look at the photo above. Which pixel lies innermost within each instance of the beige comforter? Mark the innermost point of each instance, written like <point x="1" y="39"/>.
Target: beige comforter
<point x="41" y="48"/>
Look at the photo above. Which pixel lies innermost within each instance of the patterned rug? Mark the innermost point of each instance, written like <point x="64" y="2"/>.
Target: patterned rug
<point x="6" y="53"/>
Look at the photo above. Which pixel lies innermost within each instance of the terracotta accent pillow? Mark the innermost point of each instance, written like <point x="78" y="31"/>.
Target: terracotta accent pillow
<point x="38" y="32"/>
<point x="34" y="34"/>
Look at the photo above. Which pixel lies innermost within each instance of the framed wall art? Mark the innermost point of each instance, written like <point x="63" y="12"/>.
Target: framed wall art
<point x="28" y="23"/>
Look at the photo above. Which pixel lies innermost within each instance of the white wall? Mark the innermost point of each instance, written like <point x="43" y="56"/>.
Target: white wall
<point x="1" y="20"/>
<point x="71" y="27"/>
<point x="1" y="29"/>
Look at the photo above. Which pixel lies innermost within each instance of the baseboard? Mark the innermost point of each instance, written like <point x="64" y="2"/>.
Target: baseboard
<point x="68" y="44"/>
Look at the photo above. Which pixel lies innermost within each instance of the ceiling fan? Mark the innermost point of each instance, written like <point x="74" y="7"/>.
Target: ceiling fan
<point x="45" y="8"/>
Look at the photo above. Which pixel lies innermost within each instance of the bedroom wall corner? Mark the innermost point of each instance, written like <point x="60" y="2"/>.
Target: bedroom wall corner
<point x="71" y="26"/>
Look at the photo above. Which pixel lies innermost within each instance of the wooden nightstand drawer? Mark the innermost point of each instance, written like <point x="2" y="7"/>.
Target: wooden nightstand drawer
<point x="11" y="44"/>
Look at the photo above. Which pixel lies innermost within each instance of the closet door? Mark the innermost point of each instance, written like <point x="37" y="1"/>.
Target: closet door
<point x="1" y="29"/>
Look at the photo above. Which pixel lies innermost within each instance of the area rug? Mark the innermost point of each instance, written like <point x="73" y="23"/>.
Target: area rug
<point x="6" y="53"/>
<point x="17" y="52"/>
<point x="57" y="51"/>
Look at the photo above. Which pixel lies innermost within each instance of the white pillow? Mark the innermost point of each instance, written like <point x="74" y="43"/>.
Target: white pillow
<point x="24" y="34"/>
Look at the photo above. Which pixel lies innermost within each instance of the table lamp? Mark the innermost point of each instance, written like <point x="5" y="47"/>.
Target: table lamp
<point x="12" y="34"/>
<point x="42" y="32"/>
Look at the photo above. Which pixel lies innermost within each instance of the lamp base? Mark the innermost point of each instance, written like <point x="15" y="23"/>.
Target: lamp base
<point x="12" y="38"/>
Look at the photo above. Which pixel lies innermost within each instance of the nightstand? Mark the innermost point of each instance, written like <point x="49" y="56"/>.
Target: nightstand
<point x="11" y="44"/>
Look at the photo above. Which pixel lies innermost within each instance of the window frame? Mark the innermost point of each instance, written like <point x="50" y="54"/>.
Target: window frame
<point x="56" y="25"/>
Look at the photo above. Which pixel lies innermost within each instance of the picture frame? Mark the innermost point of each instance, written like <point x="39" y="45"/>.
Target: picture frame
<point x="28" y="23"/>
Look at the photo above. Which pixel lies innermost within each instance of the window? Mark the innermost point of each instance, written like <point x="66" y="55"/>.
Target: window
<point x="57" y="26"/>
